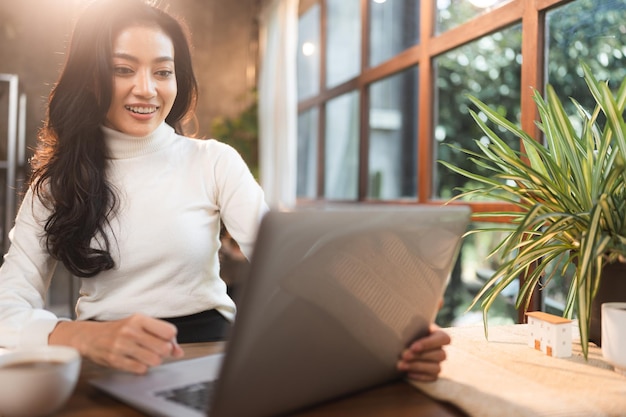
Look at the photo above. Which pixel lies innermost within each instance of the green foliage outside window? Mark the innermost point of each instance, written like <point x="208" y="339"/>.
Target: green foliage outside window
<point x="488" y="68"/>
<point x="242" y="133"/>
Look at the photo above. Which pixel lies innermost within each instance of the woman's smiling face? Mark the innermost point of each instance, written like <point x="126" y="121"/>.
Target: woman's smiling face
<point x="144" y="80"/>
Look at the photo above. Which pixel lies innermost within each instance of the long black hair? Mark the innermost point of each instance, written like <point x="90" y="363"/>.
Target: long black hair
<point x="69" y="164"/>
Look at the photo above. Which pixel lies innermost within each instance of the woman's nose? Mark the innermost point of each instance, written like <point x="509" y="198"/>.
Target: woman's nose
<point x="145" y="85"/>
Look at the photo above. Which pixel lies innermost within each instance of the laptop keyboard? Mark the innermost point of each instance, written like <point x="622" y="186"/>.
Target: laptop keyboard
<point x="197" y="396"/>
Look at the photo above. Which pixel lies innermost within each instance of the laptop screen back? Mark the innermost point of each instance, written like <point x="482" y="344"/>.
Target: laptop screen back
<point x="332" y="298"/>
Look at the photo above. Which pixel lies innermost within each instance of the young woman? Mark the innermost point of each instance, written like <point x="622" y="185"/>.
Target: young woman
<point x="124" y="201"/>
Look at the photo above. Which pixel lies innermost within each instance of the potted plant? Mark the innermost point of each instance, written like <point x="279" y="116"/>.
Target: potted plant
<point x="569" y="197"/>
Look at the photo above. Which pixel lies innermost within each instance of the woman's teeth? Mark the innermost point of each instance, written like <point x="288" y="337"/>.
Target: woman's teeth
<point x="142" y="110"/>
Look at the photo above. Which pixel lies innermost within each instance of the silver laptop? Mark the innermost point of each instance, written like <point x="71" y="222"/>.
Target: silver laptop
<point x="332" y="298"/>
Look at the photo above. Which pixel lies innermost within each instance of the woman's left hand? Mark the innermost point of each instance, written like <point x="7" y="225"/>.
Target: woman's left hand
<point x="422" y="360"/>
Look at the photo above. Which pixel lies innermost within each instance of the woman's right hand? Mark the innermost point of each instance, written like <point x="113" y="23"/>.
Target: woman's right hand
<point x="133" y="344"/>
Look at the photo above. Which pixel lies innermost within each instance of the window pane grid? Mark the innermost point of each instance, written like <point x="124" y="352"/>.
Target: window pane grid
<point x="396" y="93"/>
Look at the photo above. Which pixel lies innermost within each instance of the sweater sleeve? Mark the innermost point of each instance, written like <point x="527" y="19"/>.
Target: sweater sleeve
<point x="240" y="198"/>
<point x="24" y="280"/>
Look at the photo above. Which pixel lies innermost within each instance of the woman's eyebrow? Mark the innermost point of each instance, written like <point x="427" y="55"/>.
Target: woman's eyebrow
<point x="129" y="57"/>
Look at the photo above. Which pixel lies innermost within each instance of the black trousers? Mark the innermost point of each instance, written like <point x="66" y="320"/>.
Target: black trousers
<point x="206" y="326"/>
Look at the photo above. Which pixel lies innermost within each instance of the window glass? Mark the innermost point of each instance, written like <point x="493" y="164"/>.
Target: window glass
<point x="392" y="162"/>
<point x="307" y="154"/>
<point x="588" y="30"/>
<point x="452" y="13"/>
<point x="394" y="27"/>
<point x="472" y="270"/>
<point x="308" y="59"/>
<point x="592" y="31"/>
<point x="489" y="69"/>
<point x="341" y="156"/>
<point x="343" y="59"/>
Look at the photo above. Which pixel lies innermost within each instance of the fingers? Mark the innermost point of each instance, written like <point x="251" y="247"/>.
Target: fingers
<point x="177" y="351"/>
<point x="159" y="328"/>
<point x="133" y="344"/>
<point x="421" y="361"/>
<point x="153" y="335"/>
<point x="435" y="340"/>
<point x="432" y="355"/>
<point x="163" y="332"/>
<point x="115" y="359"/>
<point x="147" y="341"/>
<point x="425" y="371"/>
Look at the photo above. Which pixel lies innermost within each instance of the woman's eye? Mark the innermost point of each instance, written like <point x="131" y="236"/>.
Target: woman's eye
<point x="165" y="73"/>
<point x="123" y="70"/>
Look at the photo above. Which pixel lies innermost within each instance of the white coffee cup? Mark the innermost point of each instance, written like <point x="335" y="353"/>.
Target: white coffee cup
<point x="37" y="381"/>
<point x="614" y="335"/>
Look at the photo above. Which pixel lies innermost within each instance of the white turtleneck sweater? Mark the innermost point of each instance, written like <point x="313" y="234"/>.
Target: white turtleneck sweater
<point x="172" y="193"/>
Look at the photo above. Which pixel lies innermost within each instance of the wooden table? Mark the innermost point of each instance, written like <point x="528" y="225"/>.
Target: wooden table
<point x="395" y="399"/>
<point x="506" y="376"/>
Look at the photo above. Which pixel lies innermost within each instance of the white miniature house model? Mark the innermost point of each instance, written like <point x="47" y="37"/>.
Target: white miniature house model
<point x="550" y="334"/>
